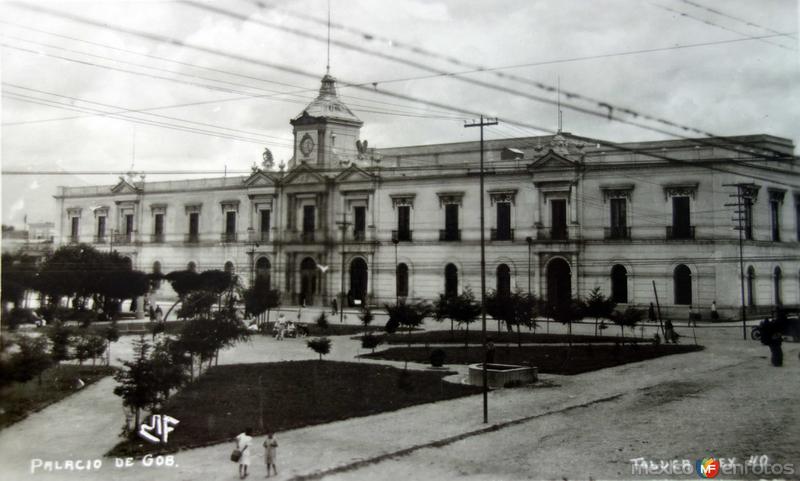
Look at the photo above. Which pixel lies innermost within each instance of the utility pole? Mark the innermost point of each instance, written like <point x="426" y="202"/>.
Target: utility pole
<point x="482" y="123"/>
<point x="740" y="226"/>
<point x="343" y="225"/>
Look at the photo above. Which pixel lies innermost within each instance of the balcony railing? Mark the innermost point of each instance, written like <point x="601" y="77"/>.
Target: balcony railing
<point x="192" y="238"/>
<point x="449" y="235"/>
<point x="558" y="234"/>
<point x="680" y="232"/>
<point x="157" y="238"/>
<point x="126" y="238"/>
<point x="617" y="232"/>
<point x="402" y="235"/>
<point x="502" y="235"/>
<point x="228" y="237"/>
<point x="259" y="236"/>
<point x="100" y="239"/>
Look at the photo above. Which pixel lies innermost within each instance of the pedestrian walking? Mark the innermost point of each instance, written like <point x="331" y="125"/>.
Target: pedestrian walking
<point x="651" y="313"/>
<point x="270" y="453"/>
<point x="772" y="337"/>
<point x="334" y="307"/>
<point x="669" y="333"/>
<point x="714" y="313"/>
<point x="243" y="442"/>
<point x="691" y="317"/>
<point x="159" y="314"/>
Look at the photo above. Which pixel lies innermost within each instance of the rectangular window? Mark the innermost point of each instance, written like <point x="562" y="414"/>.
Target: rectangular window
<point x="681" y="220"/>
<point x="619" y="218"/>
<point x="194" y="225"/>
<point x="504" y="221"/>
<point x="264" y="225"/>
<point x="404" y="223"/>
<point x="451" y="231"/>
<point x="230" y="222"/>
<point x="128" y="224"/>
<point x="775" y="217"/>
<point x="748" y="218"/>
<point x="158" y="224"/>
<point x="309" y="222"/>
<point x="101" y="228"/>
<point x="74" y="228"/>
<point x="558" y="211"/>
<point x="359" y="222"/>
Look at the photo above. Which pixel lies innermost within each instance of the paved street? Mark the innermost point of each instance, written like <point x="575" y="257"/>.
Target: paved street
<point x="726" y="401"/>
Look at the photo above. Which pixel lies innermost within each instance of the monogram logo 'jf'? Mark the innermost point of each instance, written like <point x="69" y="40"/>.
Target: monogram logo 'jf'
<point x="161" y="425"/>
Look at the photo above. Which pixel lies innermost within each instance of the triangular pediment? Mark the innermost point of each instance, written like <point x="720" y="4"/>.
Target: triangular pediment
<point x="259" y="179"/>
<point x="124" y="187"/>
<point x="552" y="161"/>
<point x="303" y="174"/>
<point x="354" y="174"/>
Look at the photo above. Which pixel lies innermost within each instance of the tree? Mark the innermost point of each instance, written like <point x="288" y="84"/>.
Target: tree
<point x="322" y="320"/>
<point x="408" y="315"/>
<point x="18" y="274"/>
<point x="441" y="311"/>
<point x="182" y="282"/>
<point x="111" y="334"/>
<point x="87" y="345"/>
<point x="464" y="309"/>
<point x="167" y="368"/>
<point x="597" y="305"/>
<point x="629" y="318"/>
<point x="366" y="317"/>
<point x="516" y="309"/>
<point x="31" y="360"/>
<point x="320" y="345"/>
<point x="567" y="313"/>
<point x="371" y="341"/>
<point x="259" y="298"/>
<point x="137" y="387"/>
<point x="60" y="337"/>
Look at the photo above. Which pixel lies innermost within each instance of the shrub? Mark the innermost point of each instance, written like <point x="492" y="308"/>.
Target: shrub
<point x="437" y="358"/>
<point x="371" y="341"/>
<point x="320" y="345"/>
<point x="322" y="321"/>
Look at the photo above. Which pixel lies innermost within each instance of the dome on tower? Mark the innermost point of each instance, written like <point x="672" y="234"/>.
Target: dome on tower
<point x="328" y="105"/>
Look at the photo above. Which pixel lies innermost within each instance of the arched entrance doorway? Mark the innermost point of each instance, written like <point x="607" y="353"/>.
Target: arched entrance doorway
<point x="450" y="280"/>
<point x="357" y="295"/>
<point x="503" y="281"/>
<point x="619" y="284"/>
<point x="559" y="282"/>
<point x="262" y="271"/>
<point x="308" y="281"/>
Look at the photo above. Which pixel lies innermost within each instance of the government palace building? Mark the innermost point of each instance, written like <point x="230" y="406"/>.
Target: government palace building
<point x="563" y="215"/>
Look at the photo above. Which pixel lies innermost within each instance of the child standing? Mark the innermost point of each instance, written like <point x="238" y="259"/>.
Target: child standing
<point x="270" y="452"/>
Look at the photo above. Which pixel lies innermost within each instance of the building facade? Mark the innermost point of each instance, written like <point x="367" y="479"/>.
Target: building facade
<point x="563" y="215"/>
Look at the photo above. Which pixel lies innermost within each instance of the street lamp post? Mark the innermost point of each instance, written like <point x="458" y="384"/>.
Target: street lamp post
<point x="529" y="240"/>
<point x="396" y="241"/>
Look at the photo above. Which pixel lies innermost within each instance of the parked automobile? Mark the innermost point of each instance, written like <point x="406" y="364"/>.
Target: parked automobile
<point x="788" y="322"/>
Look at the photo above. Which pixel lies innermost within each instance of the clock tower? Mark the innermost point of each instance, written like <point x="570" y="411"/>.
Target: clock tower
<point x="326" y="131"/>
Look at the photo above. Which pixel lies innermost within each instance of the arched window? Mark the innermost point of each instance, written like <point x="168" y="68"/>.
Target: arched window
<point x="402" y="280"/>
<point x="450" y="280"/>
<point x="503" y="281"/>
<point x="559" y="282"/>
<point x="619" y="284"/>
<point x="682" y="278"/>
<point x="191" y="266"/>
<point x="229" y="269"/>
<point x="263" y="270"/>
<point x="776" y="280"/>
<point x="751" y="286"/>
<point x="358" y="282"/>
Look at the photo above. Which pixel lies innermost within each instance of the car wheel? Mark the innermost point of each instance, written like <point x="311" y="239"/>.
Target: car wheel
<point x="755" y="334"/>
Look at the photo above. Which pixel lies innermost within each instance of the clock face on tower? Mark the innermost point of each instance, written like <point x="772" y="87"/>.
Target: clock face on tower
<point x="306" y="145"/>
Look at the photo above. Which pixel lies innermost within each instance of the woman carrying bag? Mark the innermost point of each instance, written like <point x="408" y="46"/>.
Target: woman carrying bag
<point x="242" y="451"/>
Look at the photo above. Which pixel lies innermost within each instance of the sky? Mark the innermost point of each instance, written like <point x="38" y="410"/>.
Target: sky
<point x="203" y="87"/>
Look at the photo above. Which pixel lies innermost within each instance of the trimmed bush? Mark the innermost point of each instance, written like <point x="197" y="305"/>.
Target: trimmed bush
<point x="437" y="357"/>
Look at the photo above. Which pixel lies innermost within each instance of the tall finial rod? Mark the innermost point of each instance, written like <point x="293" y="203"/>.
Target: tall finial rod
<point x="558" y="101"/>
<point x="328" y="64"/>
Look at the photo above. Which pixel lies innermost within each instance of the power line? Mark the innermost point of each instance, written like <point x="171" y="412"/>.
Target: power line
<point x="608" y="108"/>
<point x="296" y="71"/>
<point x="738" y="19"/>
<point x="716" y="25"/>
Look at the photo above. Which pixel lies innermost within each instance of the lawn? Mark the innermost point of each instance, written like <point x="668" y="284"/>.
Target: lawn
<point x="227" y="399"/>
<point x="20" y="399"/>
<point x="549" y="359"/>
<point x="503" y="337"/>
